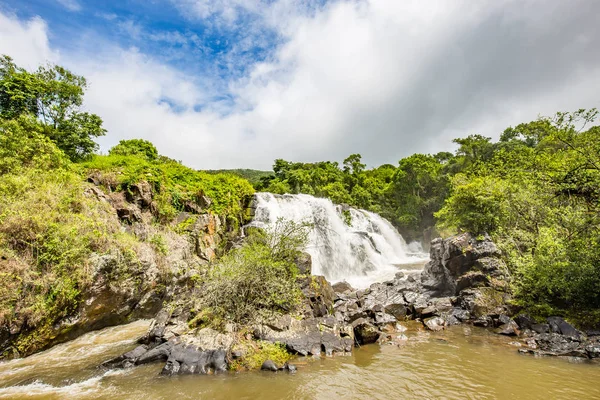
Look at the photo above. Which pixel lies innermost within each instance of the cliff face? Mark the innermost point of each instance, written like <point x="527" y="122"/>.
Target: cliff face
<point x="127" y="282"/>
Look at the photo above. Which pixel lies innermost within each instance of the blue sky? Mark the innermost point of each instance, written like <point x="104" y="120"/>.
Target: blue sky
<point x="203" y="47"/>
<point x="239" y="83"/>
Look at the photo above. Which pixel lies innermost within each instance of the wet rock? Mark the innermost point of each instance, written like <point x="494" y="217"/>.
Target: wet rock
<point x="342" y="287"/>
<point x="304" y="263"/>
<point x="593" y="350"/>
<point x="269" y="365"/>
<point x="289" y="367"/>
<point x="460" y="314"/>
<point x="483" y="322"/>
<point x="160" y="352"/>
<point x="559" y="345"/>
<point x="434" y="324"/>
<point x="189" y="359"/>
<point x="509" y="329"/>
<point x="399" y="311"/>
<point x="365" y="332"/>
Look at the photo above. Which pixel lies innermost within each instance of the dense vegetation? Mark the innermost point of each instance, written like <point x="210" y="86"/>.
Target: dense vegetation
<point x="50" y="226"/>
<point x="252" y="175"/>
<point x="536" y="191"/>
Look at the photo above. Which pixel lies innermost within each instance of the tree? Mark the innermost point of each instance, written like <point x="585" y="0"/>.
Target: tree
<point x="55" y="96"/>
<point x="135" y="147"/>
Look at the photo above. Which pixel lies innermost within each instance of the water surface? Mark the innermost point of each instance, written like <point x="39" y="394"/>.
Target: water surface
<point x="460" y="363"/>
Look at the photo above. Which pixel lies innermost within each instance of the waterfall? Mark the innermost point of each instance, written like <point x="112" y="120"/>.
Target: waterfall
<point x="367" y="250"/>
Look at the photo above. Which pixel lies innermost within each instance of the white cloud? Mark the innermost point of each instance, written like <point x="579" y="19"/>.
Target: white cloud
<point x="71" y="5"/>
<point x="25" y="41"/>
<point x="383" y="78"/>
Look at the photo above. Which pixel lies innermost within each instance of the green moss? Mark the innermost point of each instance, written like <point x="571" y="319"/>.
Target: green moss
<point x="347" y="217"/>
<point x="257" y="352"/>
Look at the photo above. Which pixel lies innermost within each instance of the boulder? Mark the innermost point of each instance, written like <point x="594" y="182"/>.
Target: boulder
<point x="365" y="332"/>
<point x="342" y="287"/>
<point x="509" y="329"/>
<point x="460" y="262"/>
<point x="434" y="324"/>
<point x="269" y="365"/>
<point x="540" y="328"/>
<point x="524" y="321"/>
<point x="560" y="326"/>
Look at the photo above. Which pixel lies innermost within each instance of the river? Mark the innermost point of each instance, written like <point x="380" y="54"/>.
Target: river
<point x="459" y="363"/>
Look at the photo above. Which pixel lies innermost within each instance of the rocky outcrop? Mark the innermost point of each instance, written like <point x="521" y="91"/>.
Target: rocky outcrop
<point x="132" y="283"/>
<point x="556" y="338"/>
<point x="465" y="282"/>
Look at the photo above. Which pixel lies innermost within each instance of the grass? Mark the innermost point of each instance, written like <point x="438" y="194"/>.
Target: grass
<point x="175" y="186"/>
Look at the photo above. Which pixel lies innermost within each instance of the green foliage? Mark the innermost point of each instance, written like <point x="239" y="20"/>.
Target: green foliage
<point x="135" y="147"/>
<point x="536" y="191"/>
<point x="22" y="145"/>
<point x="253" y="176"/>
<point x="54" y="95"/>
<point x="257" y="352"/>
<point x="258" y="279"/>
<point x="176" y="187"/>
<point x="48" y="231"/>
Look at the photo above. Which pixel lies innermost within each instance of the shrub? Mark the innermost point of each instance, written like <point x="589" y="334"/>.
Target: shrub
<point x="258" y="279"/>
<point x="135" y="147"/>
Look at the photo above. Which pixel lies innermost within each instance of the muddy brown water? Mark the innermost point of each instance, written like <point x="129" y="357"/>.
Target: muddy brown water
<point x="459" y="363"/>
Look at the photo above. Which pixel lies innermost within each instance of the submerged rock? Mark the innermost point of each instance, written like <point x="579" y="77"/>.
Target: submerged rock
<point x="269" y="365"/>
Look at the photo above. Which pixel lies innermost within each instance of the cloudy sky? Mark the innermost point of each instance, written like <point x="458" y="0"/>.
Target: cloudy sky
<point x="238" y="83"/>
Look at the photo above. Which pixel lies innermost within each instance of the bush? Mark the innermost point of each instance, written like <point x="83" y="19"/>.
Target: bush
<point x="135" y="147"/>
<point x="258" y="279"/>
<point x="22" y="145"/>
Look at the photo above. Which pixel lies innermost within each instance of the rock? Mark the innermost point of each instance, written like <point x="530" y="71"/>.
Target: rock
<point x="503" y="319"/>
<point x="129" y="215"/>
<point x="269" y="365"/>
<point x="470" y="280"/>
<point x="399" y="311"/>
<point x="365" y="332"/>
<point x="140" y="194"/>
<point x="188" y="359"/>
<point x="304" y="263"/>
<point x="593" y="350"/>
<point x="342" y="287"/>
<point x="524" y="321"/>
<point x="559" y="345"/>
<point x="289" y="367"/>
<point x="460" y="314"/>
<point x="206" y="234"/>
<point x="559" y="325"/>
<point x="319" y="293"/>
<point x="510" y="329"/>
<point x="483" y="322"/>
<point x="434" y="324"/>
<point x="540" y="328"/>
<point x="460" y="262"/>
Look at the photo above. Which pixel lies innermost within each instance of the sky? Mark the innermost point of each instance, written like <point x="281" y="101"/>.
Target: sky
<point x="239" y="83"/>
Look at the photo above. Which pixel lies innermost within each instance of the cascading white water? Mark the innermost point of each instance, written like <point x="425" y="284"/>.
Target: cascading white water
<point x="368" y="250"/>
